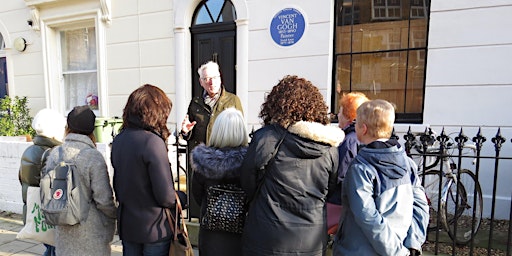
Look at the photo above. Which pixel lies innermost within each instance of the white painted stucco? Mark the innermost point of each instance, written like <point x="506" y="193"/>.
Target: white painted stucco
<point x="468" y="76"/>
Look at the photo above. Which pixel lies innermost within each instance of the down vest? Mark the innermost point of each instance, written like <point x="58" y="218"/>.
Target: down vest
<point x="287" y="215"/>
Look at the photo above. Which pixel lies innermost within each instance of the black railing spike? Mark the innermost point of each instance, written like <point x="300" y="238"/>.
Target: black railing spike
<point x="252" y="132"/>
<point x="443" y="138"/>
<point x="461" y="139"/>
<point x="498" y="140"/>
<point x="426" y="137"/>
<point x="393" y="135"/>
<point x="479" y="139"/>
<point x="409" y="140"/>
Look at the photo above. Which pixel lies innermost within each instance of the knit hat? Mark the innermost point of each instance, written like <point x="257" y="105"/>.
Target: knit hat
<point x="81" y="119"/>
<point x="49" y="123"/>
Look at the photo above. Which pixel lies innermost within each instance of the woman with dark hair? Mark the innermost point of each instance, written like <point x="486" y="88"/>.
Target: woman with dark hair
<point x="92" y="236"/>
<point x="289" y="189"/>
<point x="143" y="181"/>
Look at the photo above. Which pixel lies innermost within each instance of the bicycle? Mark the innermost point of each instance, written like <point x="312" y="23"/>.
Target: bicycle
<point x="454" y="195"/>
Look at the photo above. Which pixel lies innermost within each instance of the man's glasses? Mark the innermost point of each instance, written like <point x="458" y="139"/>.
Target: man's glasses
<point x="207" y="79"/>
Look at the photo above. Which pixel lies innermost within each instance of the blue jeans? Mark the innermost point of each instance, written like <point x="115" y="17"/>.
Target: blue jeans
<point x="50" y="250"/>
<point x="160" y="248"/>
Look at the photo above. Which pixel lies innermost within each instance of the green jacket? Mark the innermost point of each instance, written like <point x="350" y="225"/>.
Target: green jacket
<point x="30" y="167"/>
<point x="205" y="116"/>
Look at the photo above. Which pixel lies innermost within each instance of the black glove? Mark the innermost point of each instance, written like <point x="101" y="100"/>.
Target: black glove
<point x="414" y="252"/>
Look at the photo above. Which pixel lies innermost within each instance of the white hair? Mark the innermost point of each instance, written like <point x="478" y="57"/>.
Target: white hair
<point x="229" y="130"/>
<point x="209" y="64"/>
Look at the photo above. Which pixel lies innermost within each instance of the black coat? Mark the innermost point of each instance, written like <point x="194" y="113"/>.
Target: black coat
<point x="214" y="166"/>
<point x="30" y="167"/>
<point x="288" y="215"/>
<point x="143" y="185"/>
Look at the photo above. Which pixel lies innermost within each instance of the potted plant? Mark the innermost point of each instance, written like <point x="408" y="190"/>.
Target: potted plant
<point x="15" y="119"/>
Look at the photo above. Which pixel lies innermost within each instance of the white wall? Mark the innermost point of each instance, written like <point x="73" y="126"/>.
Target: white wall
<point x="311" y="57"/>
<point x="10" y="188"/>
<point x="469" y="82"/>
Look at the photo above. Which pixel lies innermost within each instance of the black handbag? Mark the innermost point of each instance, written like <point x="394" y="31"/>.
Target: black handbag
<point x="225" y="208"/>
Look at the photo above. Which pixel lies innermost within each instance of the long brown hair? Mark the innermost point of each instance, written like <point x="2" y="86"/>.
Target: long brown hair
<point x="148" y="107"/>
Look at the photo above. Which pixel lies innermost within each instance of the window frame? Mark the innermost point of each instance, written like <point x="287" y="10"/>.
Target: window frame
<point x="403" y="117"/>
<point x="53" y="58"/>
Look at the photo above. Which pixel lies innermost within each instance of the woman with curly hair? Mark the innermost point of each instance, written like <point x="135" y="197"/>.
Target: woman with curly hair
<point x="288" y="189"/>
<point x="143" y="181"/>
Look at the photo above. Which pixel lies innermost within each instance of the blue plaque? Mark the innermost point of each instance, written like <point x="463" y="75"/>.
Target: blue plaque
<point x="287" y="27"/>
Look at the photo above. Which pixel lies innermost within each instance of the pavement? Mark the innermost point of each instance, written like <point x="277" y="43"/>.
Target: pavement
<point x="11" y="224"/>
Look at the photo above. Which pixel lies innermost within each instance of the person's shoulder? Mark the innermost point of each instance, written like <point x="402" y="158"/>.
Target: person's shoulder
<point x="229" y="95"/>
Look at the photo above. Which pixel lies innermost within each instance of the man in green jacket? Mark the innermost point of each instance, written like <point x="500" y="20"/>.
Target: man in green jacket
<point x="202" y="112"/>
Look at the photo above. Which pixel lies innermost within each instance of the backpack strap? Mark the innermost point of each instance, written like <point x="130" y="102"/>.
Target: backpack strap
<point x="44" y="156"/>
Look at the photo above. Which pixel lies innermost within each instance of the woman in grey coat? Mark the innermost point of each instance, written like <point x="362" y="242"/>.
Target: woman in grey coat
<point x="92" y="236"/>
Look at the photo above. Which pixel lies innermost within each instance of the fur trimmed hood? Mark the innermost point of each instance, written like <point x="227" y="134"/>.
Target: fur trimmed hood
<point x="327" y="134"/>
<point x="215" y="163"/>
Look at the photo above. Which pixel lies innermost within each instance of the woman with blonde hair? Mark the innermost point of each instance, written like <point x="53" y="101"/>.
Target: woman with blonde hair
<point x="218" y="164"/>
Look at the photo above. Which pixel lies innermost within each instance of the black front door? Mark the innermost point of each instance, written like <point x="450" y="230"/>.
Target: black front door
<point x="216" y="42"/>
<point x="3" y="77"/>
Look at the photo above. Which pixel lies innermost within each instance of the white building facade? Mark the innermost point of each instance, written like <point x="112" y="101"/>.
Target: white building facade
<point x="62" y="53"/>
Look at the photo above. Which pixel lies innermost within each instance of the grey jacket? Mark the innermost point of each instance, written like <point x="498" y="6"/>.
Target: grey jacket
<point x="93" y="236"/>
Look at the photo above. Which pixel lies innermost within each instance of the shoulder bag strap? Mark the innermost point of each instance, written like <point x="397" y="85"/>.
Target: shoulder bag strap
<point x="270" y="161"/>
<point x="173" y="222"/>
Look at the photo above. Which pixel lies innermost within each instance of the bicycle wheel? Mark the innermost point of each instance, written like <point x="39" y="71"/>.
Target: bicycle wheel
<point x="430" y="182"/>
<point x="459" y="218"/>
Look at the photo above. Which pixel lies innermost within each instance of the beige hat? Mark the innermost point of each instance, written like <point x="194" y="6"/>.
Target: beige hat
<point x="49" y="123"/>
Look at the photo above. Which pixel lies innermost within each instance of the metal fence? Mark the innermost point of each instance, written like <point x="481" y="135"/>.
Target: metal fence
<point x="460" y="204"/>
<point x="491" y="236"/>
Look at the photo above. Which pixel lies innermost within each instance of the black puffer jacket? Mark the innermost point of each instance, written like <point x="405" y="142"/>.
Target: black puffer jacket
<point x="214" y="166"/>
<point x="288" y="215"/>
<point x="30" y="167"/>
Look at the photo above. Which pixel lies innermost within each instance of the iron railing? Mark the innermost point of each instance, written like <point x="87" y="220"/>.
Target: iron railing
<point x="497" y="240"/>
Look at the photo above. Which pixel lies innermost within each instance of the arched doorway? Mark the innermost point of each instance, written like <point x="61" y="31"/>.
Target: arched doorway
<point x="213" y="32"/>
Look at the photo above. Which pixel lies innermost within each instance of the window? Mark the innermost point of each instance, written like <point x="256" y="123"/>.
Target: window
<point x="74" y="51"/>
<point x="79" y="67"/>
<point x="214" y="11"/>
<point x="380" y="50"/>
